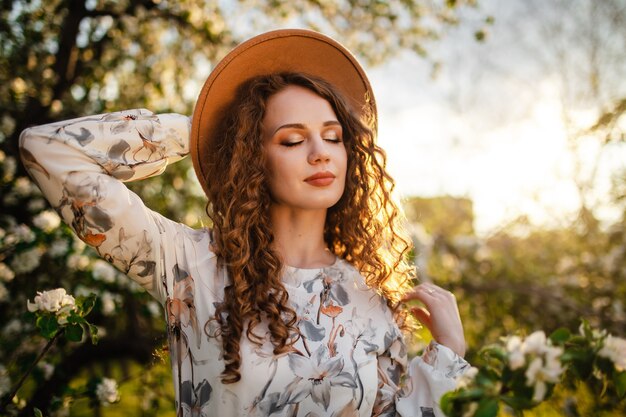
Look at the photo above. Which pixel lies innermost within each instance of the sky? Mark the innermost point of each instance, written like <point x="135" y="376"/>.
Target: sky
<point x="490" y="125"/>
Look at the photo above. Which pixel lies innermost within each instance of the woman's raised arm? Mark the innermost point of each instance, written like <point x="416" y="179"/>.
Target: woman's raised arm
<point x="80" y="164"/>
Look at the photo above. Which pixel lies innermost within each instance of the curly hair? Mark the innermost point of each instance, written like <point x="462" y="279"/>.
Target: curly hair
<point x="363" y="227"/>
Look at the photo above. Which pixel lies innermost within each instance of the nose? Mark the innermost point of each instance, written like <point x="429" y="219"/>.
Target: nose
<point x="319" y="150"/>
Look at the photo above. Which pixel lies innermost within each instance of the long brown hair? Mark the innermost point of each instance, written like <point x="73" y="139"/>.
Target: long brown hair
<point x="362" y="228"/>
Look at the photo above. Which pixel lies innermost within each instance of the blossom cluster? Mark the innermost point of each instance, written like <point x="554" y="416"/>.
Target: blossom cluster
<point x="107" y="391"/>
<point x="614" y="349"/>
<point x="520" y="372"/>
<point x="543" y="359"/>
<point x="55" y="301"/>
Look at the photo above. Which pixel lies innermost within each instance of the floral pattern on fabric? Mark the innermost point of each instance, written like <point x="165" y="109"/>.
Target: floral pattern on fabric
<point x="350" y="357"/>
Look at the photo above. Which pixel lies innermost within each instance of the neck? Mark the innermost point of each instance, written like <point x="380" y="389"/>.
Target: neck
<point x="299" y="237"/>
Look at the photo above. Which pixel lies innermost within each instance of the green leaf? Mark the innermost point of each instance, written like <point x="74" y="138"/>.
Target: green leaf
<point x="74" y="332"/>
<point x="47" y="325"/>
<point x="87" y="303"/>
<point x="29" y="317"/>
<point x="560" y="336"/>
<point x="75" y="318"/>
<point x="93" y="331"/>
<point x="445" y="403"/>
<point x="487" y="407"/>
<point x="518" y="402"/>
<point x="494" y="351"/>
<point x="37" y="412"/>
<point x="487" y="379"/>
<point x="470" y="394"/>
<point x="620" y="383"/>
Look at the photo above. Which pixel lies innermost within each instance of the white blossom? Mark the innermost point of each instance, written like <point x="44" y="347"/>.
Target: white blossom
<point x="103" y="271"/>
<point x="552" y="364"/>
<point x="35" y="205"/>
<point x="107" y="392"/>
<point x="544" y="364"/>
<point x="543" y="370"/>
<point x="154" y="308"/>
<point x="109" y="302"/>
<point x="6" y="274"/>
<point x="23" y="187"/>
<point x="7" y="124"/>
<point x="58" y="248"/>
<point x="533" y="374"/>
<point x="82" y="291"/>
<point x="517" y="358"/>
<point x="534" y="343"/>
<point x="467" y="377"/>
<point x="595" y="333"/>
<point x="47" y="220"/>
<point x="124" y="282"/>
<point x="78" y="245"/>
<point x="102" y="331"/>
<point x="47" y="369"/>
<point x="26" y="261"/>
<point x="78" y="262"/>
<point x="9" y="166"/>
<point x="12" y="327"/>
<point x="5" y="381"/>
<point x="54" y="301"/>
<point x="614" y="348"/>
<point x="20" y="233"/>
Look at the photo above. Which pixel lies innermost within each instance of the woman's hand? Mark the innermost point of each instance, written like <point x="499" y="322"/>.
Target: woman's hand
<point x="440" y="315"/>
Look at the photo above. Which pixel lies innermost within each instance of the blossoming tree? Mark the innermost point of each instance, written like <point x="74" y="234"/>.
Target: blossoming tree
<point x="101" y="56"/>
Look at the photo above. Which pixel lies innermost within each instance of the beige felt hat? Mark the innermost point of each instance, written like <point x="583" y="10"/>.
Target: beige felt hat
<point x="285" y="50"/>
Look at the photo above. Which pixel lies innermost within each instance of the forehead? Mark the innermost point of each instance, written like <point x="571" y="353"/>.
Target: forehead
<point x="297" y="104"/>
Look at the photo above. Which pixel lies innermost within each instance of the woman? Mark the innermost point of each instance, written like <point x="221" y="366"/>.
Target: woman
<point x="289" y="304"/>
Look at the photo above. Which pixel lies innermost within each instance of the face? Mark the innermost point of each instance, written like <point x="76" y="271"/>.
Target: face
<point x="305" y="153"/>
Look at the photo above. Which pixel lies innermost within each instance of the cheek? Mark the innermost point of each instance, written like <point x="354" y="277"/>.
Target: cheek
<point x="275" y="167"/>
<point x="279" y="172"/>
<point x="342" y="160"/>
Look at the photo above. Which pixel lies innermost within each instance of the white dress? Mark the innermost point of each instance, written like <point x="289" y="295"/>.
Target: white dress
<point x="351" y="358"/>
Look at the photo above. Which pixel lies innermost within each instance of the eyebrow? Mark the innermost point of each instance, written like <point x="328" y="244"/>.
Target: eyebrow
<point x="303" y="126"/>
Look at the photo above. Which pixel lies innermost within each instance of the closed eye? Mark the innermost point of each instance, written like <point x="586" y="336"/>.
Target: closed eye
<point x="291" y="144"/>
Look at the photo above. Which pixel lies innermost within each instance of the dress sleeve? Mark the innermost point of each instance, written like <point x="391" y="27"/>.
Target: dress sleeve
<point x="428" y="377"/>
<point x="80" y="164"/>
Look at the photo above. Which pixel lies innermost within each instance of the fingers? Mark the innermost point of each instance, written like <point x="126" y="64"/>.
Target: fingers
<point x="423" y="316"/>
<point x="439" y="314"/>
<point x="428" y="293"/>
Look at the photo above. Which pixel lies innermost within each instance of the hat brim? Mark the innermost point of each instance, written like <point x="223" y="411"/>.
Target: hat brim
<point x="285" y="50"/>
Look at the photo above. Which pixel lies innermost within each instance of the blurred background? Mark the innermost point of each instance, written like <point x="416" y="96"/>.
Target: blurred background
<point x="503" y="123"/>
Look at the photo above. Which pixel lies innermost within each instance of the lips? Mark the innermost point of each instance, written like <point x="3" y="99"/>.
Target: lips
<point x="320" y="179"/>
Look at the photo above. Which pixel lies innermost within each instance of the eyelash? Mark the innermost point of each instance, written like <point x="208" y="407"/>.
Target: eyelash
<point x="292" y="144"/>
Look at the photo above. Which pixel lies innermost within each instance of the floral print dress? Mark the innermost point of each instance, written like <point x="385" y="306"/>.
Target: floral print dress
<point x="350" y="359"/>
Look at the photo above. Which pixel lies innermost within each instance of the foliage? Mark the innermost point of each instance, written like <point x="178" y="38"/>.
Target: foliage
<point x="55" y="314"/>
<point x="519" y="374"/>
